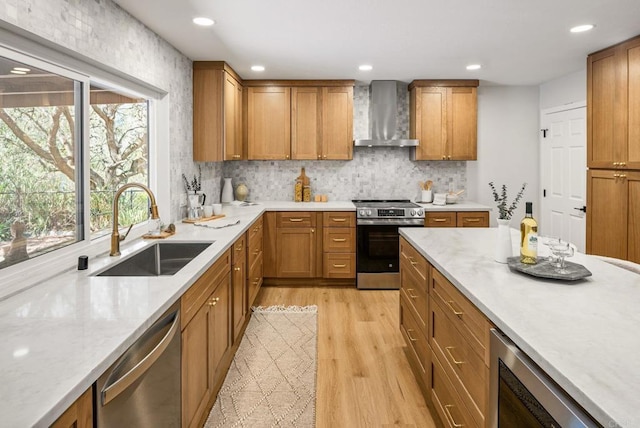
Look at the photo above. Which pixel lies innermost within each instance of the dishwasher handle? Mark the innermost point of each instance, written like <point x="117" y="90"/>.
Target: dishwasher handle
<point x="114" y="388"/>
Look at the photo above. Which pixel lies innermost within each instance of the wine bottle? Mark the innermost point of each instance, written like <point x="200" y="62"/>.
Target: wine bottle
<point x="529" y="237"/>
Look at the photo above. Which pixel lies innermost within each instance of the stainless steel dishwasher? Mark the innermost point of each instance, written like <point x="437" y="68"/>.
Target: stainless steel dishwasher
<point x="142" y="388"/>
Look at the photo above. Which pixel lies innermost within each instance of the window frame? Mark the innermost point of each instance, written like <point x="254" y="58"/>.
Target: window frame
<point x="12" y="278"/>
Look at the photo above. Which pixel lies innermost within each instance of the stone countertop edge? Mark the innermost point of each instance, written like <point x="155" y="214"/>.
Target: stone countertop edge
<point x="458" y="206"/>
<point x="564" y="327"/>
<point x="69" y="347"/>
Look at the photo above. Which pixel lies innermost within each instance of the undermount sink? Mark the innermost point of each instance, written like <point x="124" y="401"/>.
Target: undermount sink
<point x="162" y="258"/>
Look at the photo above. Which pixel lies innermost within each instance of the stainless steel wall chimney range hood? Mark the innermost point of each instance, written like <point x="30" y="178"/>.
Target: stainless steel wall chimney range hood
<point x="383" y="117"/>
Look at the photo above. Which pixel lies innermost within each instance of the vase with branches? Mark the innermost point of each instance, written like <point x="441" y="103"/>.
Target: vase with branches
<point x="194" y="185"/>
<point x="505" y="210"/>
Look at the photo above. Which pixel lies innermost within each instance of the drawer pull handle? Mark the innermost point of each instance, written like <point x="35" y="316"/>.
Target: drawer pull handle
<point x="237" y="269"/>
<point x="256" y="252"/>
<point x="409" y="292"/>
<point x="439" y="220"/>
<point x="449" y="417"/>
<point x="413" y="262"/>
<point x="239" y="248"/>
<point x="472" y="220"/>
<point x="339" y="239"/>
<point x="456" y="362"/>
<point x="339" y="220"/>
<point x="295" y="220"/>
<point x="409" y="330"/>
<point x="256" y="282"/>
<point x="457" y="313"/>
<point x="339" y="266"/>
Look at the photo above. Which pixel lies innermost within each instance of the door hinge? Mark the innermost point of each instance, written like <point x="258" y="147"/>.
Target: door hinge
<point x="544" y="193"/>
<point x="544" y="132"/>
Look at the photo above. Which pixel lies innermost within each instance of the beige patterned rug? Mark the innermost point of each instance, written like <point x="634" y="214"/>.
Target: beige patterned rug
<point x="272" y="379"/>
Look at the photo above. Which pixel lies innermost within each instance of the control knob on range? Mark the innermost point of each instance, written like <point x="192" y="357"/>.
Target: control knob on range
<point x="420" y="212"/>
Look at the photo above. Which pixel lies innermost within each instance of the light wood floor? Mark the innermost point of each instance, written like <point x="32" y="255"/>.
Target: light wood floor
<point x="364" y="379"/>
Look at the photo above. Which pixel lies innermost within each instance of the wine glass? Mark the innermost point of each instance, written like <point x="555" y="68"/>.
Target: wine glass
<point x="561" y="249"/>
<point x="549" y="241"/>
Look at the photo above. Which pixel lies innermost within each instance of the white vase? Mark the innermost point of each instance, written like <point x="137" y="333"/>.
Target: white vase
<point x="504" y="248"/>
<point x="227" y="191"/>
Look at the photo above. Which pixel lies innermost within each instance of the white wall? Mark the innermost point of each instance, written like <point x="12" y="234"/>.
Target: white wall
<point x="508" y="127"/>
<point x="564" y="90"/>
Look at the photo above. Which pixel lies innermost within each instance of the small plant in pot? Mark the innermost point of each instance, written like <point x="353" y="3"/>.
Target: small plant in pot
<point x="504" y="248"/>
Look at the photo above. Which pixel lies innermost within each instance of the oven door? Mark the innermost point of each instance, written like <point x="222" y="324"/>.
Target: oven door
<point x="378" y="254"/>
<point x="523" y="396"/>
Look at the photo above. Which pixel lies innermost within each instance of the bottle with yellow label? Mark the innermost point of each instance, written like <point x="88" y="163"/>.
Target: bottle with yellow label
<point x="529" y="237"/>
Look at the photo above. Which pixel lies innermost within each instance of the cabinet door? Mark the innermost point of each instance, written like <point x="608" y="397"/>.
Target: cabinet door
<point x="197" y="374"/>
<point x="462" y="123"/>
<point x="337" y="123"/>
<point x="269" y="122"/>
<point x="430" y="123"/>
<point x="633" y="215"/>
<point x="296" y="249"/>
<point x="232" y="118"/>
<point x="306" y="123"/>
<point x="79" y="414"/>
<point x="207" y="114"/>
<point x="607" y="213"/>
<point x="603" y="91"/>
<point x="239" y="286"/>
<point x="220" y="339"/>
<point x="632" y="51"/>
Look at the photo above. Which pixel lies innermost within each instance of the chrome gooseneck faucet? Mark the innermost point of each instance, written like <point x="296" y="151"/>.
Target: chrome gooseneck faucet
<point x="115" y="235"/>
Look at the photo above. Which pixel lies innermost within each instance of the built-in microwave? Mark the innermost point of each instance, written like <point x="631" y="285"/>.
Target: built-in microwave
<point x="522" y="395"/>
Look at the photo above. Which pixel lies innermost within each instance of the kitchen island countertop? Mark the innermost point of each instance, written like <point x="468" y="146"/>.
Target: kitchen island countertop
<point x="584" y="334"/>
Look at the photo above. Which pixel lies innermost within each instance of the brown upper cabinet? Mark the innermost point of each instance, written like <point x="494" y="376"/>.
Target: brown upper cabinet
<point x="300" y="119"/>
<point x="444" y="117"/>
<point x="613" y="106"/>
<point x="217" y="112"/>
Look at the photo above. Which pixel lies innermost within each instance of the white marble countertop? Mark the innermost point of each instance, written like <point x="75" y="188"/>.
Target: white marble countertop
<point x="59" y="336"/>
<point x="584" y="334"/>
<point x="458" y="206"/>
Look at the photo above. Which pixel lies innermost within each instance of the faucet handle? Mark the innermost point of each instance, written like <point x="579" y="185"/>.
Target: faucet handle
<point x="122" y="238"/>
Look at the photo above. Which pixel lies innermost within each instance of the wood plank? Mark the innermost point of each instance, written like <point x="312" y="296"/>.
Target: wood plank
<point x="364" y="378"/>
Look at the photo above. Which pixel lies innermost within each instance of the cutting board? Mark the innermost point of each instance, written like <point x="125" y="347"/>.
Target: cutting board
<point x="201" y="219"/>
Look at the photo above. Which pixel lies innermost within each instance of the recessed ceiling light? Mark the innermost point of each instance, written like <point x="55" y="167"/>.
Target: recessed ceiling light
<point x="582" y="28"/>
<point x="205" y="22"/>
<point x="22" y="69"/>
<point x="14" y="71"/>
<point x="365" y="67"/>
<point x="257" y="67"/>
<point x="474" y="67"/>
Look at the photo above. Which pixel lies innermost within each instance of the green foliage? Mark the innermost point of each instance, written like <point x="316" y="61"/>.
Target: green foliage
<point x="506" y="212"/>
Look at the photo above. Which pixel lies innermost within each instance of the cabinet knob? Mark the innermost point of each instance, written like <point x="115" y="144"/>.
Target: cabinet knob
<point x="313" y="230"/>
<point x="616" y="163"/>
<point x="319" y="156"/>
<point x="325" y="156"/>
<point x="622" y="163"/>
<point x="448" y="157"/>
<point x="286" y="156"/>
<point x="444" y="157"/>
<point x="237" y="269"/>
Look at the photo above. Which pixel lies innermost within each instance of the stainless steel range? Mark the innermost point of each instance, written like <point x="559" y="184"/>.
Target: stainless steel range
<point x="377" y="240"/>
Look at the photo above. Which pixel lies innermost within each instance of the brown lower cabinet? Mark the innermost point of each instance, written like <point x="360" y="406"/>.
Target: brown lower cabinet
<point x="79" y="414"/>
<point x="205" y="309"/>
<point x="450" y="354"/>
<point x="456" y="219"/>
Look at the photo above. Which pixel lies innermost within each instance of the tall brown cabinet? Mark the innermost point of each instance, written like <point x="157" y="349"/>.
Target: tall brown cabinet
<point x="613" y="151"/>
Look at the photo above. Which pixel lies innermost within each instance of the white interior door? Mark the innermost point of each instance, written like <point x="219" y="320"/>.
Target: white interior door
<point x="563" y="173"/>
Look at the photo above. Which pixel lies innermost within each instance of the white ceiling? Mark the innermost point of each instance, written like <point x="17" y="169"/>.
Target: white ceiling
<point x="518" y="42"/>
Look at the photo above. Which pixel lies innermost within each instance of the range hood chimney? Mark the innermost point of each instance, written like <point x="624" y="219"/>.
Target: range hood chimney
<point x="383" y="117"/>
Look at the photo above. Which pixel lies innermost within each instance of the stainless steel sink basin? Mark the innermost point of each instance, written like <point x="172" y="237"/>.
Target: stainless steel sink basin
<point x="163" y="258"/>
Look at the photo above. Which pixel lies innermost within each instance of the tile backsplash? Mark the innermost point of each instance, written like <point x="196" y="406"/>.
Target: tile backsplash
<point x="374" y="172"/>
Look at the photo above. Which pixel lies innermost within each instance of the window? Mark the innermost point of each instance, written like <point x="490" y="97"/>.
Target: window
<point x="43" y="155"/>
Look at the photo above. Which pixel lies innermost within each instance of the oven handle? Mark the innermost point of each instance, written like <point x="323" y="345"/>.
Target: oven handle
<point x="412" y="222"/>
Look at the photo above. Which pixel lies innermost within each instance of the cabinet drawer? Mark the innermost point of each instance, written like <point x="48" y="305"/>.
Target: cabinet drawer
<point x="339" y="240"/>
<point x="463" y="314"/>
<point x="417" y="344"/>
<point x="473" y="219"/>
<point x="415" y="291"/>
<point x="410" y="255"/>
<point x="255" y="231"/>
<point x="198" y="293"/>
<point x="339" y="219"/>
<point x="464" y="366"/>
<point x="444" y="398"/>
<point x="296" y="219"/>
<point x="339" y="265"/>
<point x="440" y="219"/>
